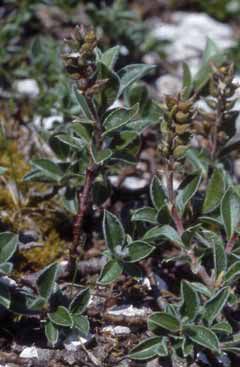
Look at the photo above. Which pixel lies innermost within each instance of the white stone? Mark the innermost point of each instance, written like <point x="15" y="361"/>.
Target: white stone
<point x="74" y="345"/>
<point x="188" y="34"/>
<point x="168" y="84"/>
<point x="117" y="330"/>
<point x="8" y="281"/>
<point x="27" y="87"/>
<point x="29" y="352"/>
<point x="129" y="311"/>
<point x="47" y="122"/>
<point x="146" y="283"/>
<point x="130" y="183"/>
<point x="74" y="340"/>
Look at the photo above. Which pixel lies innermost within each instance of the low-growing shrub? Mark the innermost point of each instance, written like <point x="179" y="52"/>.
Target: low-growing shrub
<point x="188" y="217"/>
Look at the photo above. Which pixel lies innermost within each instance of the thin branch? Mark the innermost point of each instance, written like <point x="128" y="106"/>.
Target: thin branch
<point x="230" y="244"/>
<point x="83" y="206"/>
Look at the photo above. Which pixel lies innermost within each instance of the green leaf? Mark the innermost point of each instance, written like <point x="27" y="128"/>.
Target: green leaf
<point x="211" y="55"/>
<point x="222" y="327"/>
<point x="126" y="138"/>
<point x="220" y="258"/>
<point x="187" y="348"/>
<point x="157" y="193"/>
<point x="80" y="301"/>
<point x="48" y="168"/>
<point x="71" y="141"/>
<point x="148" y="349"/>
<point x="163" y="320"/>
<point x="230" y="211"/>
<point x="81" y="323"/>
<point x="215" y="191"/>
<point x="190" y="299"/>
<point x="215" y="305"/>
<point x="138" y="250"/>
<point x="5" y="298"/>
<point x="8" y="246"/>
<point x="187" y="81"/>
<point x="203" y="336"/>
<point x="232" y="273"/>
<point x="37" y="303"/>
<point x="201" y="289"/>
<point x="61" y="317"/>
<point x="109" y="92"/>
<point x="184" y="195"/>
<point x="82" y="132"/>
<point x="111" y="271"/>
<point x="110" y="56"/>
<point x="212" y="220"/>
<point x="86" y="112"/>
<point x="119" y="117"/>
<point x="145" y="214"/>
<point x="6" y="268"/>
<point x="113" y="231"/>
<point x="130" y="73"/>
<point x="51" y="333"/>
<point x="101" y="156"/>
<point x="165" y="231"/>
<point x="198" y="159"/>
<point x="231" y="346"/>
<point x="46" y="280"/>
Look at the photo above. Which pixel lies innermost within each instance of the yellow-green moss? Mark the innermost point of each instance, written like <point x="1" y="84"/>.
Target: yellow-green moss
<point x="16" y="211"/>
<point x="52" y="249"/>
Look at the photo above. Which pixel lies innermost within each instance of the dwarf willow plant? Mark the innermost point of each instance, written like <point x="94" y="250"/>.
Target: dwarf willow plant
<point x="59" y="312"/>
<point x="191" y="215"/>
<point x="85" y="149"/>
<point x="198" y="222"/>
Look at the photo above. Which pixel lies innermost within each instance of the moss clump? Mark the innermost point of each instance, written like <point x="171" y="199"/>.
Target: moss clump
<point x="20" y="215"/>
<point x="39" y="257"/>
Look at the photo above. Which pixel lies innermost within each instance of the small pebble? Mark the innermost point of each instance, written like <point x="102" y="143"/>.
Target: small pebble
<point x="29" y="352"/>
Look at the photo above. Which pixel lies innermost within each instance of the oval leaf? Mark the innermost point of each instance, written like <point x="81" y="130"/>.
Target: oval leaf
<point x="51" y="333"/>
<point x="113" y="231"/>
<point x="203" y="336"/>
<point x="163" y="320"/>
<point x="230" y="211"/>
<point x="157" y="193"/>
<point x="138" y="250"/>
<point x="130" y="73"/>
<point x="80" y="301"/>
<point x="8" y="246"/>
<point x="215" y="305"/>
<point x="46" y="280"/>
<point x="233" y="272"/>
<point x="119" y="117"/>
<point x="111" y="271"/>
<point x="190" y="299"/>
<point x="81" y="323"/>
<point x="147" y="349"/>
<point x="61" y="317"/>
<point x="215" y="191"/>
<point x="184" y="195"/>
<point x="145" y="214"/>
<point x="165" y="231"/>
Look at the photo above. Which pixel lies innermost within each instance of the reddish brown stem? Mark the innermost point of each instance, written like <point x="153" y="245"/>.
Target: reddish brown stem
<point x="230" y="244"/>
<point x="83" y="205"/>
<point x="178" y="221"/>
